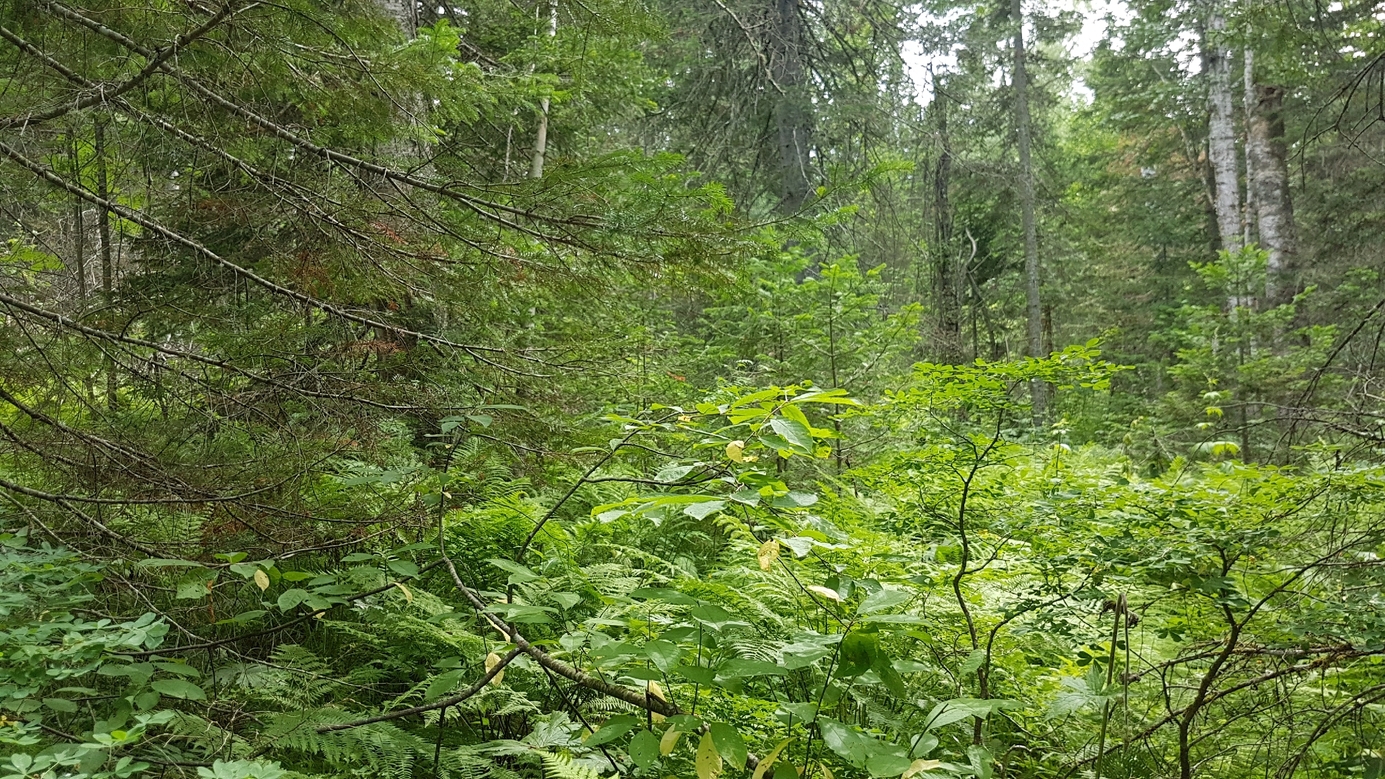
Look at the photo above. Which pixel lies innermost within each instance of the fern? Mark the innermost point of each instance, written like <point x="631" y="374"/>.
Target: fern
<point x="560" y="766"/>
<point x="381" y="749"/>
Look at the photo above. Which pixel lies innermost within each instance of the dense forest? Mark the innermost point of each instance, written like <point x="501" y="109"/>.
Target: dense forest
<point x="763" y="389"/>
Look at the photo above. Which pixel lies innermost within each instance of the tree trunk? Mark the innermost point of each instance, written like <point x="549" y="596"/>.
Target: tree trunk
<point x="790" y="111"/>
<point x="541" y="135"/>
<point x="1270" y="183"/>
<point x="79" y="229"/>
<point x="1249" y="234"/>
<point x="103" y="228"/>
<point x="1221" y="133"/>
<point x="948" y="262"/>
<point x="1033" y="306"/>
<point x="406" y="150"/>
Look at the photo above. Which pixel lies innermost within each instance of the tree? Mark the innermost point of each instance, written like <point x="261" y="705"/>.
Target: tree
<point x="1221" y="133"/>
<point x="1033" y="305"/>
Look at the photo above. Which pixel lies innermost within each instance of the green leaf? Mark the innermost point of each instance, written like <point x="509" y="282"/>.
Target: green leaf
<point x="702" y="510"/>
<point x="403" y="567"/>
<point x="664" y="654"/>
<point x="195" y="588"/>
<point x="742" y="667"/>
<point x="795" y="500"/>
<point x="644" y="749"/>
<point x="290" y="599"/>
<point x="614" y="728"/>
<point x="519" y="574"/>
<point x="443" y="684"/>
<point x="973" y="662"/>
<point x="982" y="762"/>
<point x="858" y="654"/>
<point x="796" y="433"/>
<point x="958" y="709"/>
<point x="694" y="673"/>
<point x="883" y="599"/>
<point x="60" y="704"/>
<point x="808" y="648"/>
<point x="846" y="742"/>
<point x="715" y="617"/>
<point x="178" y="688"/>
<point x="178" y="669"/>
<point x="523" y="613"/>
<point x="729" y="744"/>
<point x="565" y="600"/>
<point x="890" y="761"/>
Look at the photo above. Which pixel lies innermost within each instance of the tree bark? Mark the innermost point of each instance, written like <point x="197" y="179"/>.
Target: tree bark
<point x="1249" y="234"/>
<point x="1221" y="133"/>
<point x="103" y="228"/>
<point x="790" y="112"/>
<point x="541" y="134"/>
<point x="948" y="262"/>
<point x="1270" y="183"/>
<point x="404" y="13"/>
<point x="1033" y="305"/>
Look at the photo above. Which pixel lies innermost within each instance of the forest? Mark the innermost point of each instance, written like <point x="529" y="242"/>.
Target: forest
<point x="692" y="389"/>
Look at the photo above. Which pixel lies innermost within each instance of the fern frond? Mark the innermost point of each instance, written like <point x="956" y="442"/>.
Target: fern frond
<point x="559" y="766"/>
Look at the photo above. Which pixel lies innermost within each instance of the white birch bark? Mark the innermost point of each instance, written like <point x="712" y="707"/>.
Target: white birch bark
<point x="1221" y="133"/>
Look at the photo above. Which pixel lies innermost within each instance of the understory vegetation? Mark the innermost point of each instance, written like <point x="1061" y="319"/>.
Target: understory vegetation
<point x="778" y="389"/>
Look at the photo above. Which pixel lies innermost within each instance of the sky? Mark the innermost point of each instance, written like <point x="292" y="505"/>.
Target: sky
<point x="1093" y="13"/>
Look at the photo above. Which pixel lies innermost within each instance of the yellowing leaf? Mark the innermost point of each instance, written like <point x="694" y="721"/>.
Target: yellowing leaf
<point x="492" y="660"/>
<point x="919" y="766"/>
<point x="655" y="691"/>
<point x="826" y="772"/>
<point x="769" y="552"/>
<point x="669" y="741"/>
<point x="708" y="761"/>
<point x="261" y="579"/>
<point x="408" y="596"/>
<point x="733" y="451"/>
<point x="821" y="591"/>
<point x="767" y="762"/>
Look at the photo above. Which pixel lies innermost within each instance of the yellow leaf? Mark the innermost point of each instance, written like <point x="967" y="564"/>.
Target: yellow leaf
<point x="408" y="596"/>
<point x="769" y="552"/>
<point x="734" y="449"/>
<point x="767" y="761"/>
<point x="919" y="766"/>
<point x="669" y="741"/>
<point x="492" y="660"/>
<point x="655" y="691"/>
<point x="261" y="579"/>
<point x="708" y="761"/>
<point x="826" y="772"/>
<point x="819" y="590"/>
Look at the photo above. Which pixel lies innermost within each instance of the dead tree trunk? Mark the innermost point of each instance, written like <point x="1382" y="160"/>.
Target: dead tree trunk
<point x="541" y="135"/>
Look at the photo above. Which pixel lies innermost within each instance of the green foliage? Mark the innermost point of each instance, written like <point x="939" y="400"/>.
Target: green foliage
<point x="334" y="442"/>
